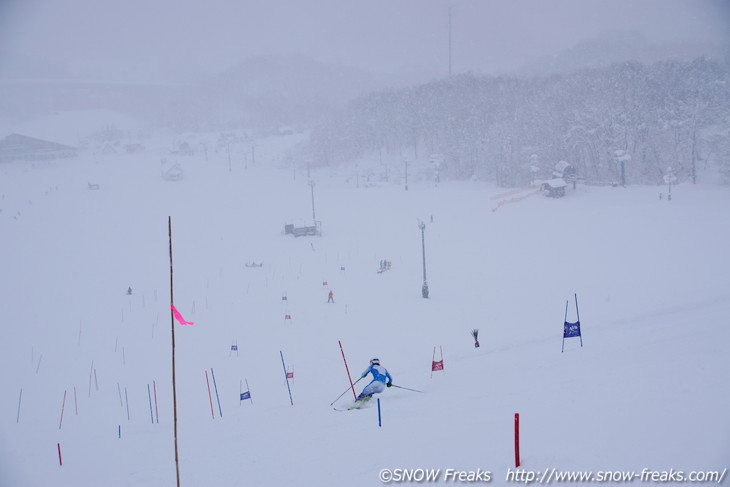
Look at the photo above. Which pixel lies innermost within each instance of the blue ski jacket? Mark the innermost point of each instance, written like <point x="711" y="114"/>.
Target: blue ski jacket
<point x="379" y="372"/>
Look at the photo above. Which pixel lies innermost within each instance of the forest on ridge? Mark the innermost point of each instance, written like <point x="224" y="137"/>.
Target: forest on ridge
<point x="623" y="124"/>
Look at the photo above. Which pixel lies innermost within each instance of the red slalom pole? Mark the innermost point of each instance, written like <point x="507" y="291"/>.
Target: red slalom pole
<point x="352" y="386"/>
<point x="209" y="396"/>
<point x="60" y="461"/>
<point x="517" y="440"/>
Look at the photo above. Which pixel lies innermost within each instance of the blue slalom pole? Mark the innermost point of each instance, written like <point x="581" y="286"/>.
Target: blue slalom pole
<point x="577" y="313"/>
<point x="216" y="392"/>
<point x="380" y="423"/>
<point x="286" y="377"/>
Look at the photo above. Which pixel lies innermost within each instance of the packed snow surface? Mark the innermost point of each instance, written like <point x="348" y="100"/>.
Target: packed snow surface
<point x="87" y="368"/>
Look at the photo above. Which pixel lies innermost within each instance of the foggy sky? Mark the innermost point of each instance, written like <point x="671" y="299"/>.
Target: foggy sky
<point x="168" y="40"/>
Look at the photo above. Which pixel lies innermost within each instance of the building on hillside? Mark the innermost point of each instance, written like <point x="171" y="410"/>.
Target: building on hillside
<point x="16" y="147"/>
<point x="172" y="171"/>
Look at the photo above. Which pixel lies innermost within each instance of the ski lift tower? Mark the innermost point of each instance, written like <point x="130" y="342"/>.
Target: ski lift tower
<point x="424" y="288"/>
<point x="311" y="184"/>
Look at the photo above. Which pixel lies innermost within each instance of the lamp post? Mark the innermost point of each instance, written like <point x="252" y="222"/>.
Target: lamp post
<point x="424" y="288"/>
<point x="314" y="218"/>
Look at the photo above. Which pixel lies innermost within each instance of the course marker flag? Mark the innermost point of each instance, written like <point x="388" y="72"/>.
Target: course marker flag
<point x="179" y="317"/>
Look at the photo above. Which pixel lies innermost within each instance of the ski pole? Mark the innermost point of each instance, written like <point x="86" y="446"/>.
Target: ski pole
<point x="401" y="387"/>
<point x="351" y="387"/>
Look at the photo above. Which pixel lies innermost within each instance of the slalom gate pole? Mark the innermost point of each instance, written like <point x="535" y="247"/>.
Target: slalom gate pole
<point x="338" y="397"/>
<point x="63" y="406"/>
<point x="432" y="360"/>
<point x="157" y="411"/>
<point x="149" y="396"/>
<point x="91" y="373"/>
<point x="60" y="460"/>
<point x="76" y="404"/>
<point x="380" y="422"/>
<point x="517" y="440"/>
<point x="348" y="370"/>
<point x="126" y="400"/>
<point x="210" y="398"/>
<point x="286" y="377"/>
<point x="565" y="320"/>
<point x="401" y="387"/>
<point x="578" y="315"/>
<point x="249" y="392"/>
<point x="17" y="420"/>
<point x="217" y="398"/>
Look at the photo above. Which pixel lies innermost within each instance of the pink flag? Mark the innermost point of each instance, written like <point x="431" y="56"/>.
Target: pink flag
<point x="179" y="317"/>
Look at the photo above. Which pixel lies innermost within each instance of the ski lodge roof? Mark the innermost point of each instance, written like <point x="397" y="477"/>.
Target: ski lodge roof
<point x="16" y="147"/>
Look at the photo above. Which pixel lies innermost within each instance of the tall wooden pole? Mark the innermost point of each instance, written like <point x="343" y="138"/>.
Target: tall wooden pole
<point x="174" y="389"/>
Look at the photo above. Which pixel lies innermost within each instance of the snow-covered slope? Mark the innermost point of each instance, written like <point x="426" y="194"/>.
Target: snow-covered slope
<point x="648" y="389"/>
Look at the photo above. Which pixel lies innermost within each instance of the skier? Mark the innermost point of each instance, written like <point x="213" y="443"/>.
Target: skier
<point x="330" y="297"/>
<point x="381" y="379"/>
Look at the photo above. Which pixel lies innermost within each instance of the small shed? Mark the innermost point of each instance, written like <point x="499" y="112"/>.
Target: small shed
<point x="172" y="172"/>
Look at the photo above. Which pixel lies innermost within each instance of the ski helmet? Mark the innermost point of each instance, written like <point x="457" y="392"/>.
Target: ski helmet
<point x="375" y="361"/>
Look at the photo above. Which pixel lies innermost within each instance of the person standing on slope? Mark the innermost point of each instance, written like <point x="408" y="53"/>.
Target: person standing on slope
<point x="381" y="379"/>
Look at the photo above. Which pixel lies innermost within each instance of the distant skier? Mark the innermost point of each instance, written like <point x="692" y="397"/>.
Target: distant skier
<point x="331" y="297"/>
<point x="381" y="379"/>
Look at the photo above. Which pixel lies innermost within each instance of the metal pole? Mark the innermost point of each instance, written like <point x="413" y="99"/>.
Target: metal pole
<point x="423" y="248"/>
<point x="424" y="288"/>
<point x="311" y="183"/>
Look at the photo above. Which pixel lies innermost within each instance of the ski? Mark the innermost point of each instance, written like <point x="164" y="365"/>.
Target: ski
<point x="358" y="404"/>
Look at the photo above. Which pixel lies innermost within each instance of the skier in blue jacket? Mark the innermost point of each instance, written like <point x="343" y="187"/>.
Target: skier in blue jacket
<point x="381" y="379"/>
